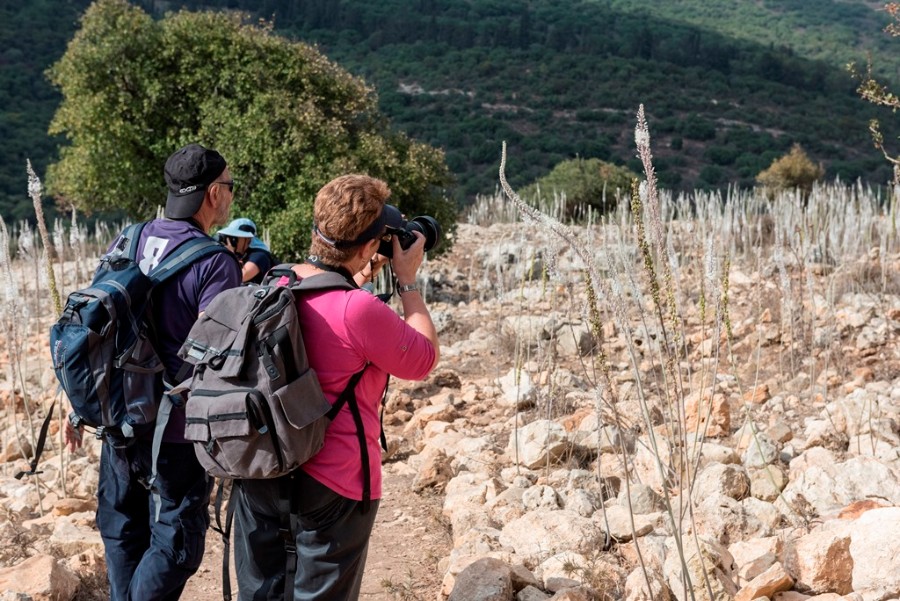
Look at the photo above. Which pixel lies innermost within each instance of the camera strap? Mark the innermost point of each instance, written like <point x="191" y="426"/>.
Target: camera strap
<point x="343" y="271"/>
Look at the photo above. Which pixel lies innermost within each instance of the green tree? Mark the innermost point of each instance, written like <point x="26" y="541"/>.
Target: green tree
<point x="287" y="119"/>
<point x="793" y="170"/>
<point x="585" y="182"/>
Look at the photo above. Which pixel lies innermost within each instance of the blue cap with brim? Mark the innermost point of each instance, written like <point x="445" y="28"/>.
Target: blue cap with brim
<point x="240" y="228"/>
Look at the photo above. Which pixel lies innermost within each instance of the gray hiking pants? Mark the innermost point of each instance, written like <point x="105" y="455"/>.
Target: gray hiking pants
<point x="331" y="534"/>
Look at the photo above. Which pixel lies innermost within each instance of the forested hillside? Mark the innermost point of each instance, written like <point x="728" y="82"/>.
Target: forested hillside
<point x="727" y="86"/>
<point x="32" y="36"/>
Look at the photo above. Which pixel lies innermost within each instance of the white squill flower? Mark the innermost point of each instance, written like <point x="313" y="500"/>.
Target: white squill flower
<point x="641" y="136"/>
<point x="34" y="183"/>
<point x="644" y="191"/>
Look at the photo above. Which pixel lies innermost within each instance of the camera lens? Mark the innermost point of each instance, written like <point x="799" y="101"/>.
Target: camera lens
<point x="429" y="227"/>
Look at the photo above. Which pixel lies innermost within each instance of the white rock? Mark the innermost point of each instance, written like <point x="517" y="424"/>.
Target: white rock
<point x="543" y="532"/>
<point x="540" y="497"/>
<point x="518" y="391"/>
<point x="40" y="577"/>
<point x="710" y="562"/>
<point x="643" y="499"/>
<point x="833" y="485"/>
<point x="717" y="478"/>
<point x="617" y="521"/>
<point x="820" y="561"/>
<point x="761" y="451"/>
<point x="875" y="549"/>
<point x="582" y="502"/>
<point x="536" y="444"/>
<point x="636" y="586"/>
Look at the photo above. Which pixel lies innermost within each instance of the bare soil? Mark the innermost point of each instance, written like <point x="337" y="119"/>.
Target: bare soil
<point x="408" y="541"/>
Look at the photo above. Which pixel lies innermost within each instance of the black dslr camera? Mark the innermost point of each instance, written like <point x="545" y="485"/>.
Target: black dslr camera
<point x="429" y="227"/>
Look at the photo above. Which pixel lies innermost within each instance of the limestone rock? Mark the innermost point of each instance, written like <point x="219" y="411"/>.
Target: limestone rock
<point x="717" y="478"/>
<point x="649" y="587"/>
<point x="538" y="533"/>
<point x="820" y="561"/>
<point x="536" y="444"/>
<point x="518" y="391"/>
<point x="709" y="562"/>
<point x="773" y="580"/>
<point x="643" y="499"/>
<point x="484" y="580"/>
<point x="41" y="578"/>
<point x="875" y="551"/>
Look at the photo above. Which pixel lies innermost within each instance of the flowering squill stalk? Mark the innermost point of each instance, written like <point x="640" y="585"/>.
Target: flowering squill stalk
<point x="34" y="191"/>
<point x="9" y="294"/>
<point x="642" y="140"/>
<point x="606" y="394"/>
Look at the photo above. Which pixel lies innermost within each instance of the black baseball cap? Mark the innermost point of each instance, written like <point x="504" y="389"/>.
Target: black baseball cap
<point x="188" y="172"/>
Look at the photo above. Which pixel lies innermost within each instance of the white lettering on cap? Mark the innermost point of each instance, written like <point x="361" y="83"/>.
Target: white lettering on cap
<point x="188" y="189"/>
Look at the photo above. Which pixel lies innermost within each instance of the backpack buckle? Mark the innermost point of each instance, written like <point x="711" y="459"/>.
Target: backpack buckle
<point x="75" y="420"/>
<point x="177" y="398"/>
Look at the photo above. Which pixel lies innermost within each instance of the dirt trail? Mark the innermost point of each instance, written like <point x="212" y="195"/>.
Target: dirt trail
<point x="407" y="543"/>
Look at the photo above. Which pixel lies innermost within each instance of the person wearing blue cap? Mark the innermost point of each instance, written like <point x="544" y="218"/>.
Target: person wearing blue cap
<point x="255" y="257"/>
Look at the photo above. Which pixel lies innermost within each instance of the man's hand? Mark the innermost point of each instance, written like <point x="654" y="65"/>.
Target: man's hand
<point x="73" y="436"/>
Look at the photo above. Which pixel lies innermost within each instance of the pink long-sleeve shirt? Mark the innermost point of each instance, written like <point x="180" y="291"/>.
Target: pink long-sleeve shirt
<point x="343" y="330"/>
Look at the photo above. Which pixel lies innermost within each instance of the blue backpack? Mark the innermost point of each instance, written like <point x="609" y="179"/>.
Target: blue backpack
<point x="102" y="347"/>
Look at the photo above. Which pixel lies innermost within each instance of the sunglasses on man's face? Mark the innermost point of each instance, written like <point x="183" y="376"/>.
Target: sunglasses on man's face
<point x="229" y="183"/>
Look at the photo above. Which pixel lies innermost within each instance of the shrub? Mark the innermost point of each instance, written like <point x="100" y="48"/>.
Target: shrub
<point x="793" y="170"/>
<point x="585" y="182"/>
<point x="287" y="119"/>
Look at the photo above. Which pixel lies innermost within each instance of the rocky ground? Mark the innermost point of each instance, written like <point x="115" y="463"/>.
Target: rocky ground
<point x="539" y="462"/>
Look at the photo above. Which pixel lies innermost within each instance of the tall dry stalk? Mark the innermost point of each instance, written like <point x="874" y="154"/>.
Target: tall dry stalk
<point x="662" y="328"/>
<point x="35" y="189"/>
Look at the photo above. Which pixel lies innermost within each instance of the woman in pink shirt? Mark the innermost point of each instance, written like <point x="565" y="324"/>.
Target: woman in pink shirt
<point x="329" y="504"/>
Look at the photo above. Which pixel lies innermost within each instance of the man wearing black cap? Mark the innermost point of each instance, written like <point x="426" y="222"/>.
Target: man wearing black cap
<point x="149" y="557"/>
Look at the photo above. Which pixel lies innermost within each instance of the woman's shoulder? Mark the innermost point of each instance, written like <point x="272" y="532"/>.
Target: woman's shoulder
<point x="363" y="303"/>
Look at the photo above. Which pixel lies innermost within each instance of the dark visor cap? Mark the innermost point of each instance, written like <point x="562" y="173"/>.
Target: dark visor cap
<point x="188" y="172"/>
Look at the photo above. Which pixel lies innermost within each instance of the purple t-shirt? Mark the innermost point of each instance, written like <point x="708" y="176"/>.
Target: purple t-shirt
<point x="179" y="301"/>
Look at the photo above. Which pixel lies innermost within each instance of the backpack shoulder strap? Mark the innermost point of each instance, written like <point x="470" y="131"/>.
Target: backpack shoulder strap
<point x="128" y="240"/>
<point x="277" y="272"/>
<point x="323" y="281"/>
<point x="320" y="281"/>
<point x="348" y="397"/>
<point x="186" y="253"/>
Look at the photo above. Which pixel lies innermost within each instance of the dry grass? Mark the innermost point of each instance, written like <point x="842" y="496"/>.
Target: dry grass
<point x="805" y="255"/>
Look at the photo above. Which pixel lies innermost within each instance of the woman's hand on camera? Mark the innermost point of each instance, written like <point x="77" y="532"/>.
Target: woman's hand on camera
<point x="370" y="270"/>
<point x="406" y="262"/>
<point x="376" y="263"/>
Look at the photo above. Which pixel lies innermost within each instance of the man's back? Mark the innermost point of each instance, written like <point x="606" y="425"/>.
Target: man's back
<point x="179" y="301"/>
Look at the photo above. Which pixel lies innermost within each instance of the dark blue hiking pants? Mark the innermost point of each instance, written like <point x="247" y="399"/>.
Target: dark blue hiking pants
<point x="331" y="536"/>
<point x="148" y="559"/>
